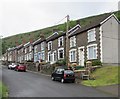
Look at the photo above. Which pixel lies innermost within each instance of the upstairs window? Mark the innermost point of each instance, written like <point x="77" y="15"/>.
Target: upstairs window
<point x="30" y="48"/>
<point x="25" y="50"/>
<point x="60" y="41"/>
<point x="35" y="49"/>
<point x="91" y="35"/>
<point x="42" y="46"/>
<point x="72" y="41"/>
<point x="50" y="45"/>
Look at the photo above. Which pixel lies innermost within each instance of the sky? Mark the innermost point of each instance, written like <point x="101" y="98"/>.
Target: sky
<point x="21" y="16"/>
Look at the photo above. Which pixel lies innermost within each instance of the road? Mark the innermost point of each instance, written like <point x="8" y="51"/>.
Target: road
<point x="27" y="84"/>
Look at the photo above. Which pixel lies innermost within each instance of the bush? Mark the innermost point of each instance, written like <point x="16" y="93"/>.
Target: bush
<point x="96" y="62"/>
<point x="61" y="62"/>
<point x="78" y="67"/>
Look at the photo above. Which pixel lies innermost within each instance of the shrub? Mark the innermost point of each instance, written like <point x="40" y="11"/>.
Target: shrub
<point x="96" y="62"/>
<point x="61" y="62"/>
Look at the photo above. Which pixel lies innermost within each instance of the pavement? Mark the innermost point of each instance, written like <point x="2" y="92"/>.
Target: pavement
<point x="29" y="84"/>
<point x="113" y="89"/>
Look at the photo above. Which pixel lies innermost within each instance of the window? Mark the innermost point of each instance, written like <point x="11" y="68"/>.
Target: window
<point x="49" y="56"/>
<point x="50" y="45"/>
<point x="30" y="48"/>
<point x="73" y="41"/>
<point x="30" y="56"/>
<point x="91" y="35"/>
<point x="25" y="57"/>
<point x="73" y="55"/>
<point x="25" y="50"/>
<point x="39" y="55"/>
<point x="54" y="56"/>
<point x="35" y="49"/>
<point x="61" y="53"/>
<point x="60" y="41"/>
<point x="92" y="51"/>
<point x="42" y="46"/>
<point x="43" y="55"/>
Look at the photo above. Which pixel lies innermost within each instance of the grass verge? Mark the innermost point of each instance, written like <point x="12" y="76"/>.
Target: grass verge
<point x="3" y="90"/>
<point x="106" y="75"/>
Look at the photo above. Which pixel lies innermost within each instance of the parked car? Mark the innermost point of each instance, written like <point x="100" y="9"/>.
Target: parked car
<point x="12" y="66"/>
<point x="63" y="75"/>
<point x="20" y="67"/>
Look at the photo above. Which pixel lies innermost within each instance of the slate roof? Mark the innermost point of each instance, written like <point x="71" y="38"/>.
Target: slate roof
<point x="38" y="41"/>
<point x="20" y="46"/>
<point x="94" y="23"/>
<point x="54" y="36"/>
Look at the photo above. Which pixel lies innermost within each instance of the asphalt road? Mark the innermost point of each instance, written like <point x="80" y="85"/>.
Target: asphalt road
<point x="27" y="84"/>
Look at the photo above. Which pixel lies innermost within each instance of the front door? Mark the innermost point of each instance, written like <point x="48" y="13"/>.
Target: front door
<point x="81" y="56"/>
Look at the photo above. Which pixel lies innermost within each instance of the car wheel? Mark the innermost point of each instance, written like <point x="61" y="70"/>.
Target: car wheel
<point x="62" y="80"/>
<point x="53" y="79"/>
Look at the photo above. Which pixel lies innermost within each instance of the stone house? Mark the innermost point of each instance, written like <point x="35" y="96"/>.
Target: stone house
<point x="28" y="52"/>
<point x="20" y="53"/>
<point x="97" y="40"/>
<point x="39" y="49"/>
<point x="55" y="44"/>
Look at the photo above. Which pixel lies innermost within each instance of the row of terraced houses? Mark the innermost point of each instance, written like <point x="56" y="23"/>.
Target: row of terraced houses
<point x="97" y="40"/>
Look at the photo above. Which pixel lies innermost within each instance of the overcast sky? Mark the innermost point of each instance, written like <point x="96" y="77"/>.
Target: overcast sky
<point x="20" y="16"/>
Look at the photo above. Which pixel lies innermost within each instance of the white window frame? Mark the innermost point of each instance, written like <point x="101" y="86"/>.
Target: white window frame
<point x="30" y="48"/>
<point x="25" y="50"/>
<point x="88" y="54"/>
<point x="72" y="41"/>
<point x="59" y="53"/>
<point x="50" y="42"/>
<point x="59" y="40"/>
<point x="49" y="53"/>
<point x="54" y="57"/>
<point x="75" y="55"/>
<point x="91" y="33"/>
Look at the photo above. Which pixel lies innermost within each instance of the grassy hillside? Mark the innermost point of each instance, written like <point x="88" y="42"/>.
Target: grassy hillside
<point x="34" y="35"/>
<point x="107" y="75"/>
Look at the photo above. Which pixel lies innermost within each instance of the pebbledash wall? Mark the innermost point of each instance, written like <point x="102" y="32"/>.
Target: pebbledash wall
<point x="104" y="46"/>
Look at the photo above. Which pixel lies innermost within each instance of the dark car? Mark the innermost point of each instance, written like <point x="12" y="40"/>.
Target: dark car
<point x="20" y="67"/>
<point x="63" y="75"/>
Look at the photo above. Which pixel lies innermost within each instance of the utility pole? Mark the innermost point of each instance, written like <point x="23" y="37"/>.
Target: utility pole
<point x="67" y="41"/>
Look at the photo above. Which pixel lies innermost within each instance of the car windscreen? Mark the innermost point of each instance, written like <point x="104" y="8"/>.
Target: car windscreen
<point x="68" y="72"/>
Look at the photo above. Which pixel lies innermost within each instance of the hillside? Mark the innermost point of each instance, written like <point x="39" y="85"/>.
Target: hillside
<point x="34" y="35"/>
